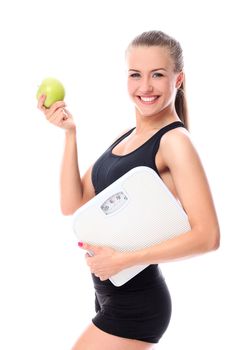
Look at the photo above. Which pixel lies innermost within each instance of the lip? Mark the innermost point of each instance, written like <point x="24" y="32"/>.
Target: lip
<point x="148" y="100"/>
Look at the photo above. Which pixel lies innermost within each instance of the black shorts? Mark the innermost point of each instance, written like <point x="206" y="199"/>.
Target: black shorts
<point x="140" y="309"/>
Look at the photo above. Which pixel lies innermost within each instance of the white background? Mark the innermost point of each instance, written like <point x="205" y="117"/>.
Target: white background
<point x="46" y="294"/>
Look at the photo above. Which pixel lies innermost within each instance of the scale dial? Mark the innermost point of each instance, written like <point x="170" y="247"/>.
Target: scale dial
<point x="114" y="203"/>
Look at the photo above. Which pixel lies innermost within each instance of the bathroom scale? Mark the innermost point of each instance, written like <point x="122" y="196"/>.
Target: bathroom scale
<point x="135" y="212"/>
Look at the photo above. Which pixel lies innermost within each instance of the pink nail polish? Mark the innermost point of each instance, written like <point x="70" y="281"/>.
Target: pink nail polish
<point x="80" y="244"/>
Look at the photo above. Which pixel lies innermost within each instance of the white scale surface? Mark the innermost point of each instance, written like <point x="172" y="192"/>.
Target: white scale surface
<point x="133" y="213"/>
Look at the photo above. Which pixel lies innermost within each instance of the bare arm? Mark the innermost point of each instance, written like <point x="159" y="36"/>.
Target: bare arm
<point x="193" y="191"/>
<point x="74" y="190"/>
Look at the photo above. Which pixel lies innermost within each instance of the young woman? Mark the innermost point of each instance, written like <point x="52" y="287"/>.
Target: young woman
<point x="136" y="315"/>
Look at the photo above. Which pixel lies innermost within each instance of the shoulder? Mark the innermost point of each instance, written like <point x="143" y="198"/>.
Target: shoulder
<point x="177" y="145"/>
<point x="176" y="137"/>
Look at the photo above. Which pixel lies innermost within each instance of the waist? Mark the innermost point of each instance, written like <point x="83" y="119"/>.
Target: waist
<point x="146" y="279"/>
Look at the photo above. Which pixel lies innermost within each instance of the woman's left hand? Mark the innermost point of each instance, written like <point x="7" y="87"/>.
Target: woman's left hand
<point x="105" y="262"/>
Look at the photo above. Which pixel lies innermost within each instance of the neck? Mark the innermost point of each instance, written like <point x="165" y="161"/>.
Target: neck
<point x="156" y="122"/>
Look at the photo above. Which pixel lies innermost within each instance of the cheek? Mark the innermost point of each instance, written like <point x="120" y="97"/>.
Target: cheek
<point x="131" y="87"/>
<point x="169" y="87"/>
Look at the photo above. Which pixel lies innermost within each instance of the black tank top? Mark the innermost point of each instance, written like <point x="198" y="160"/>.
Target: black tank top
<point x="109" y="167"/>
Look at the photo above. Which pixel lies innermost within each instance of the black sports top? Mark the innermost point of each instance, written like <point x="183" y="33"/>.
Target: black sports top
<point x="141" y="308"/>
<point x="109" y="167"/>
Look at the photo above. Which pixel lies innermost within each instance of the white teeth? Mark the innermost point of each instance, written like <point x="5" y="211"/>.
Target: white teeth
<point x="148" y="99"/>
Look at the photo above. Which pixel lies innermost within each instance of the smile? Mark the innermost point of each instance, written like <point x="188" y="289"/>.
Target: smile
<point x="148" y="99"/>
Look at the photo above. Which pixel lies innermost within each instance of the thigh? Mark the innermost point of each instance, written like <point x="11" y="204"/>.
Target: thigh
<point x="94" y="338"/>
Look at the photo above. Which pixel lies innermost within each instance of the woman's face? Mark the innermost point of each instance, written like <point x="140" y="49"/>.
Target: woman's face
<point x="152" y="82"/>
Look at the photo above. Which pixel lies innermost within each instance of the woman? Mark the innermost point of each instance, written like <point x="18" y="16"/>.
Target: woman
<point x="136" y="315"/>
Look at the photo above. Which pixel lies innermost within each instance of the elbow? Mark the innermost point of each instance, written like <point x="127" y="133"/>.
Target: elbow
<point x="217" y="242"/>
<point x="66" y="211"/>
<point x="213" y="242"/>
<point x="69" y="209"/>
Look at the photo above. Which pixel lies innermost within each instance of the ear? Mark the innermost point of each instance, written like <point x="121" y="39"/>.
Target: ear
<point x="179" y="79"/>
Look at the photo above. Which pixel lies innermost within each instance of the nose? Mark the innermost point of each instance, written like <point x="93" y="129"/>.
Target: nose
<point x="146" y="85"/>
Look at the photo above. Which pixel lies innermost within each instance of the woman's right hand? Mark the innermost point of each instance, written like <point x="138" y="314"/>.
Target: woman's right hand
<point x="57" y="114"/>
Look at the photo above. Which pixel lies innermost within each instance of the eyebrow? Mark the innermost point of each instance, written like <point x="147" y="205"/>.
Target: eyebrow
<point x="153" y="70"/>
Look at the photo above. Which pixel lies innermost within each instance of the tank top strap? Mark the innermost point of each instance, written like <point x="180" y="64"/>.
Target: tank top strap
<point x="167" y="128"/>
<point x="122" y="137"/>
<point x="159" y="134"/>
<point x="155" y="139"/>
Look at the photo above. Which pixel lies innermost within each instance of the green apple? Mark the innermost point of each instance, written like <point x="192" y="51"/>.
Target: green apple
<point x="53" y="89"/>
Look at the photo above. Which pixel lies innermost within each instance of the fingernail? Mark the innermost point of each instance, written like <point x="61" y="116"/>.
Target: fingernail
<point x="80" y="244"/>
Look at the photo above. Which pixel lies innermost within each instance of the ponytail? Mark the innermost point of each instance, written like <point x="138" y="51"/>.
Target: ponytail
<point x="181" y="105"/>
